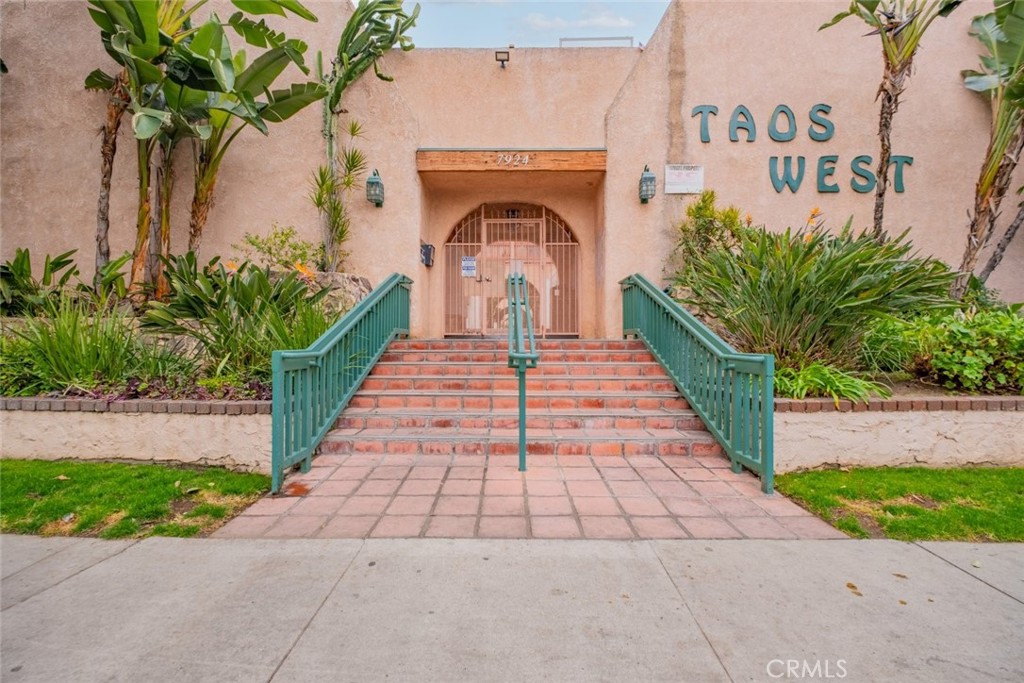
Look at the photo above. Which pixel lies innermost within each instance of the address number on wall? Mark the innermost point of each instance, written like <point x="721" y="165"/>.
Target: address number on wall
<point x="513" y="159"/>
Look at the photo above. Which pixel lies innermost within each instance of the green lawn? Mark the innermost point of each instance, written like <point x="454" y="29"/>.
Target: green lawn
<point x="915" y="503"/>
<point x="110" y="500"/>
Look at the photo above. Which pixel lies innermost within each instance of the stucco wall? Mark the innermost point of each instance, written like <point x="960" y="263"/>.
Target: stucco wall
<point x="875" y="439"/>
<point x="50" y="146"/>
<point x="762" y="54"/>
<point x="235" y="441"/>
<point x="635" y="102"/>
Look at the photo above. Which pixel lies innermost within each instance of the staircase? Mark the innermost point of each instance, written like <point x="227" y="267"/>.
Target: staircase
<point x="458" y="397"/>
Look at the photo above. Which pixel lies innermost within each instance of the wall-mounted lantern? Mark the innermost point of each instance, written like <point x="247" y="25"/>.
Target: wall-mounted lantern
<point x="501" y="56"/>
<point x="648" y="185"/>
<point x="375" y="189"/>
<point x="427" y="254"/>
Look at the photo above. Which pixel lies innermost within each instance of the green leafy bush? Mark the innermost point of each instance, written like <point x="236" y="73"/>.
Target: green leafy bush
<point x="75" y="348"/>
<point x="807" y="295"/>
<point x="822" y="380"/>
<point x="889" y="345"/>
<point x="281" y="248"/>
<point x="240" y="316"/>
<point x="706" y="227"/>
<point x="983" y="351"/>
<point x="21" y="293"/>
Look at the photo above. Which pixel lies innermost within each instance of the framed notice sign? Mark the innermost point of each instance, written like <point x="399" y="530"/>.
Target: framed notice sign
<point x="469" y="266"/>
<point x="684" y="179"/>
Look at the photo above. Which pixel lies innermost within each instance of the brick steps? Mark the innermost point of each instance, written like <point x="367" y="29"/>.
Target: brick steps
<point x="507" y="400"/>
<point x="459" y="397"/>
<point x="534" y="383"/>
<point x="618" y="442"/>
<point x="556" y="368"/>
<point x="509" y="419"/>
<point x="500" y="356"/>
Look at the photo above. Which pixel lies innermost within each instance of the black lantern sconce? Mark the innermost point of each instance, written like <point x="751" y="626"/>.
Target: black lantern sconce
<point x="648" y="185"/>
<point x="427" y="254"/>
<point x="375" y="189"/>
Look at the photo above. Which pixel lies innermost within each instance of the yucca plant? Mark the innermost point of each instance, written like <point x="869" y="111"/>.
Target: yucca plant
<point x="807" y="295"/>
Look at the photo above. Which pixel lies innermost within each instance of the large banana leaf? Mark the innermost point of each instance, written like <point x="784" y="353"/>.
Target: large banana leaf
<point x="259" y="75"/>
<point x="278" y="7"/>
<point x="283" y="104"/>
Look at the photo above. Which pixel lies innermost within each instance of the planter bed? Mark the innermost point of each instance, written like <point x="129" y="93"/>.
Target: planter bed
<point x="232" y="434"/>
<point x="938" y="432"/>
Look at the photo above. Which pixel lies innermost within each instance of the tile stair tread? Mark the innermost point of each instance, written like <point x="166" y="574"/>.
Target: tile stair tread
<point x="510" y="435"/>
<point x="513" y="412"/>
<point x="502" y="393"/>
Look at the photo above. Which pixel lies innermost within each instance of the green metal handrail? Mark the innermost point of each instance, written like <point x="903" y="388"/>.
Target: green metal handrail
<point x="522" y="350"/>
<point x="312" y="386"/>
<point x="732" y="392"/>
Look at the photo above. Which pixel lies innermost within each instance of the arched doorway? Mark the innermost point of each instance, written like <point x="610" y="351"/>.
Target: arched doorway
<point x="496" y="240"/>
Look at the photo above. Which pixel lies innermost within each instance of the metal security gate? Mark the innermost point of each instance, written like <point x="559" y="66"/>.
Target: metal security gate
<point x="495" y="241"/>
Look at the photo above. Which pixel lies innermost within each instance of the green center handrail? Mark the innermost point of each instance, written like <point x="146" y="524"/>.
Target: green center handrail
<point x="312" y="386"/>
<point x="732" y="392"/>
<point x="522" y="353"/>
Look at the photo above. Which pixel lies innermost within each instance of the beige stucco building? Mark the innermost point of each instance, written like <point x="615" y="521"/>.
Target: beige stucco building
<point x="535" y="164"/>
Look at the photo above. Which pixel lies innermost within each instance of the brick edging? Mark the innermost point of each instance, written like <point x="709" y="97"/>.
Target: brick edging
<point x="901" y="405"/>
<point x="85" y="405"/>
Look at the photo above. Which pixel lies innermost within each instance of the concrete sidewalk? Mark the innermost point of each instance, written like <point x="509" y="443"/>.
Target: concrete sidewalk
<point x="491" y="610"/>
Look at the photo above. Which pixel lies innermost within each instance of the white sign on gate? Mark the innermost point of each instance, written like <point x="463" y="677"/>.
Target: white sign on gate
<point x="469" y="266"/>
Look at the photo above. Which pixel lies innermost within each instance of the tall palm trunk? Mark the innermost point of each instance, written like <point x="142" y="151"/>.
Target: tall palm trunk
<point x="116" y="107"/>
<point x="986" y="208"/>
<point x="160" y="234"/>
<point x="997" y="255"/>
<point x="889" y="91"/>
<point x="202" y="202"/>
<point x="143" y="227"/>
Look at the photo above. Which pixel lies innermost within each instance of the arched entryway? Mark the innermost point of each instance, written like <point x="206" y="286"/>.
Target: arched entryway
<point x="495" y="240"/>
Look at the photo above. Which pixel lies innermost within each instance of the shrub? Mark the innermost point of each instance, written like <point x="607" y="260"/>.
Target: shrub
<point x="281" y="248"/>
<point x="75" y="348"/>
<point x="822" y="380"/>
<point x="983" y="351"/>
<point x="889" y="345"/>
<point x="809" y="296"/>
<point x="706" y="227"/>
<point x="21" y="293"/>
<point x="238" y="316"/>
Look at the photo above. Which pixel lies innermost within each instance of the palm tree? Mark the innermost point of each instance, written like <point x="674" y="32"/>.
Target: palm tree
<point x="900" y="24"/>
<point x="1002" y="80"/>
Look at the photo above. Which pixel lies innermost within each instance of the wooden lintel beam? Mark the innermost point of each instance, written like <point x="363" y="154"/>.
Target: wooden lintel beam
<point x="515" y="160"/>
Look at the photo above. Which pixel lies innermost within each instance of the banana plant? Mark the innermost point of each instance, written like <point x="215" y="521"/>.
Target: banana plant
<point x="375" y="27"/>
<point x="233" y="110"/>
<point x="1001" y="79"/>
<point x="146" y="38"/>
<point x="900" y="24"/>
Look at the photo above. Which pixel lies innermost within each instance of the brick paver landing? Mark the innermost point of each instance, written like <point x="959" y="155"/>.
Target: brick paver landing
<point x="561" y="497"/>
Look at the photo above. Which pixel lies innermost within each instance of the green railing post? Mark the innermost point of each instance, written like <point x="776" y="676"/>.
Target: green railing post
<point x="312" y="386"/>
<point x="719" y="383"/>
<point x="520" y="356"/>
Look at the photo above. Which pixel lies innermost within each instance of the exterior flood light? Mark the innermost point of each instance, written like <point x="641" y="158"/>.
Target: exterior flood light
<point x="501" y="56"/>
<point x="648" y="185"/>
<point x="375" y="189"/>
